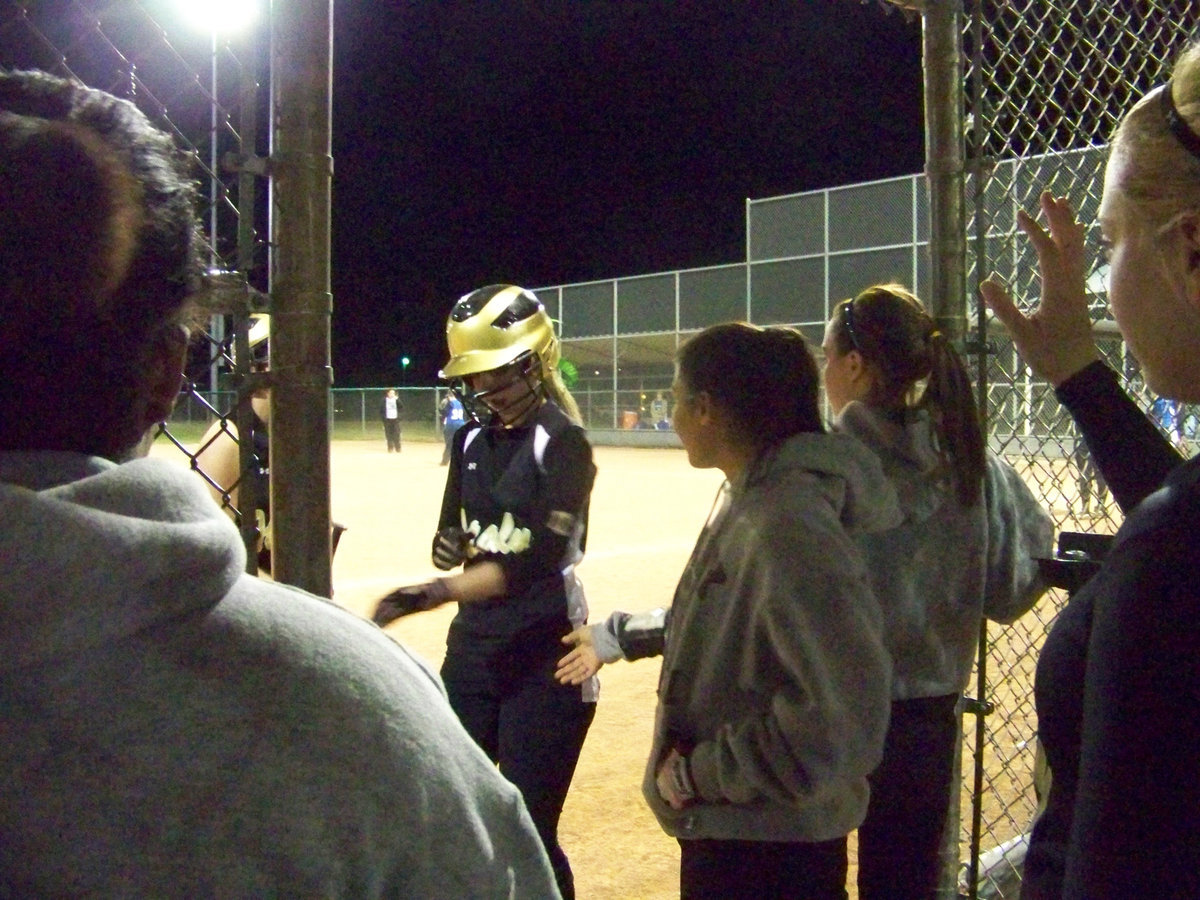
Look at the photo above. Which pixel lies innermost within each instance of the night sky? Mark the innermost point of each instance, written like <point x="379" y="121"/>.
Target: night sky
<point x="568" y="140"/>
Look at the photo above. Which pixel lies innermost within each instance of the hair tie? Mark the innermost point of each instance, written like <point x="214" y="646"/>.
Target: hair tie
<point x="1178" y="125"/>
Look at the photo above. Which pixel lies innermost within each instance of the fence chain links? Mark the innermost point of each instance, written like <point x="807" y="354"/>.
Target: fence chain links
<point x="1046" y="83"/>
<point x="200" y="87"/>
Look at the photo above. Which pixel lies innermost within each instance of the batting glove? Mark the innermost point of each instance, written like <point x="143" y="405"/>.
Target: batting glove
<point x="410" y="599"/>
<point x="450" y="548"/>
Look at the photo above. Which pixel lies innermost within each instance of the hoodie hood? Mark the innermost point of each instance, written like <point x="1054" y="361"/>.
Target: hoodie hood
<point x="848" y="475"/>
<point x="909" y="453"/>
<point x="94" y="550"/>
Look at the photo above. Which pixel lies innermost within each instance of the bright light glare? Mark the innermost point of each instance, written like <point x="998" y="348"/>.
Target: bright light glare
<point x="218" y="16"/>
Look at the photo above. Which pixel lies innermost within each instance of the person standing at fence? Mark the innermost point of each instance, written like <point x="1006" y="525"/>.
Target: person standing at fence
<point x="390" y="408"/>
<point x="966" y="549"/>
<point x="515" y="513"/>
<point x="773" y="697"/>
<point x="453" y="418"/>
<point x="152" y="691"/>
<point x="1088" y="479"/>
<point x="218" y="456"/>
<point x="1119" y="667"/>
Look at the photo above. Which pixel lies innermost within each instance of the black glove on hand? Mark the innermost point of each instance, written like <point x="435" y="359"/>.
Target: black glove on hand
<point x="450" y="547"/>
<point x="410" y="599"/>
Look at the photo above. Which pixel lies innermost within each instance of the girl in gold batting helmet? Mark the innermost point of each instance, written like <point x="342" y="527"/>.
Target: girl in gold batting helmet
<point x="504" y="355"/>
<point x="514" y="515"/>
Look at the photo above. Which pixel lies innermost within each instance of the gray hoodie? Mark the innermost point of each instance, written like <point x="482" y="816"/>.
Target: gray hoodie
<point x="170" y="726"/>
<point x="947" y="565"/>
<point x="774" y="677"/>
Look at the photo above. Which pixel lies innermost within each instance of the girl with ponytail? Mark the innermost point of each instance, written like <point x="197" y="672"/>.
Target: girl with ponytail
<point x="964" y="551"/>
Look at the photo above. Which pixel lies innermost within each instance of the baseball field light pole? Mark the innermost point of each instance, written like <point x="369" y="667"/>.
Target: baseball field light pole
<point x="216" y="18"/>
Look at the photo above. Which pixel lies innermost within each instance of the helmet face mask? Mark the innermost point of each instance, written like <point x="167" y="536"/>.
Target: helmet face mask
<point x="510" y="393"/>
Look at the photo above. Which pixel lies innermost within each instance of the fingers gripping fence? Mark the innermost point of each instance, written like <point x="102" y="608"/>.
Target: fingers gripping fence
<point x="204" y="86"/>
<point x="1039" y="89"/>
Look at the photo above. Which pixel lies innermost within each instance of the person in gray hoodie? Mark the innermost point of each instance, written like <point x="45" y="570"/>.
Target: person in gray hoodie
<point x="965" y="550"/>
<point x="169" y="725"/>
<point x="773" y="696"/>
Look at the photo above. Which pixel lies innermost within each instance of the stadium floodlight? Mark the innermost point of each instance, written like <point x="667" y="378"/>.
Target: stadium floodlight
<point x="216" y="18"/>
<point x="219" y="16"/>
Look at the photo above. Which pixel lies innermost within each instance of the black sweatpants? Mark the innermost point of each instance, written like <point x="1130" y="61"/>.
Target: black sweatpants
<point x="391" y="431"/>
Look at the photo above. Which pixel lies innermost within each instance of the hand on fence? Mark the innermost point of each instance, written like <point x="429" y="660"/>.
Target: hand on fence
<point x="1055" y="339"/>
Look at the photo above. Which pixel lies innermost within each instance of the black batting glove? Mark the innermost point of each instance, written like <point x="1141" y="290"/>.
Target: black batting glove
<point x="450" y="548"/>
<point x="410" y="599"/>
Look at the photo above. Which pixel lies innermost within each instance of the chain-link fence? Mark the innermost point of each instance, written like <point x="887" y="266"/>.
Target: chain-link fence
<point x="1045" y="84"/>
<point x="199" y="85"/>
<point x="206" y="85"/>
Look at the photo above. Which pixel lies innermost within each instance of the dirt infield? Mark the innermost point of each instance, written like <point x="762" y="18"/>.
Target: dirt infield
<point x="647" y="508"/>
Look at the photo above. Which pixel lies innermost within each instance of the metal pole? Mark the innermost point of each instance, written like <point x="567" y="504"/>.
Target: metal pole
<point x="217" y="324"/>
<point x="944" y="174"/>
<point x="944" y="162"/>
<point x="249" y="169"/>
<point x="302" y="40"/>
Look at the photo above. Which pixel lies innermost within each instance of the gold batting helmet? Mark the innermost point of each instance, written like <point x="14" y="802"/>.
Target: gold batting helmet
<point x="497" y="325"/>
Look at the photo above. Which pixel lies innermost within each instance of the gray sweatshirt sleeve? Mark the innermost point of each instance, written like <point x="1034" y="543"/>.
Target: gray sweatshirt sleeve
<point x="631" y="636"/>
<point x="1019" y="530"/>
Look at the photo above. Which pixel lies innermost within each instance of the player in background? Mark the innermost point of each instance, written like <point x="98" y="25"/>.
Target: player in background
<point x="965" y="550"/>
<point x="454" y="417"/>
<point x="390" y="408"/>
<point x="514" y="515"/>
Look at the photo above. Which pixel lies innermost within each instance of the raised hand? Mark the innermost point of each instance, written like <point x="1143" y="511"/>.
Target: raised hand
<point x="1055" y="339"/>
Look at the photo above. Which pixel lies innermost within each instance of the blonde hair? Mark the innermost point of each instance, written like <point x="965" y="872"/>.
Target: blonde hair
<point x="556" y="390"/>
<point x="1161" y="179"/>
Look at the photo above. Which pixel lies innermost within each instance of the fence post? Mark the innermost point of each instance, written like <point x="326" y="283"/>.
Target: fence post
<point x="941" y="22"/>
<point x="301" y="300"/>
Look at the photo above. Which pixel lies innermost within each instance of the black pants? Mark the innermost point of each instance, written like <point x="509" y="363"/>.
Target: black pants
<point x="762" y="870"/>
<point x="899" y="843"/>
<point x="534" y="730"/>
<point x="391" y="431"/>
